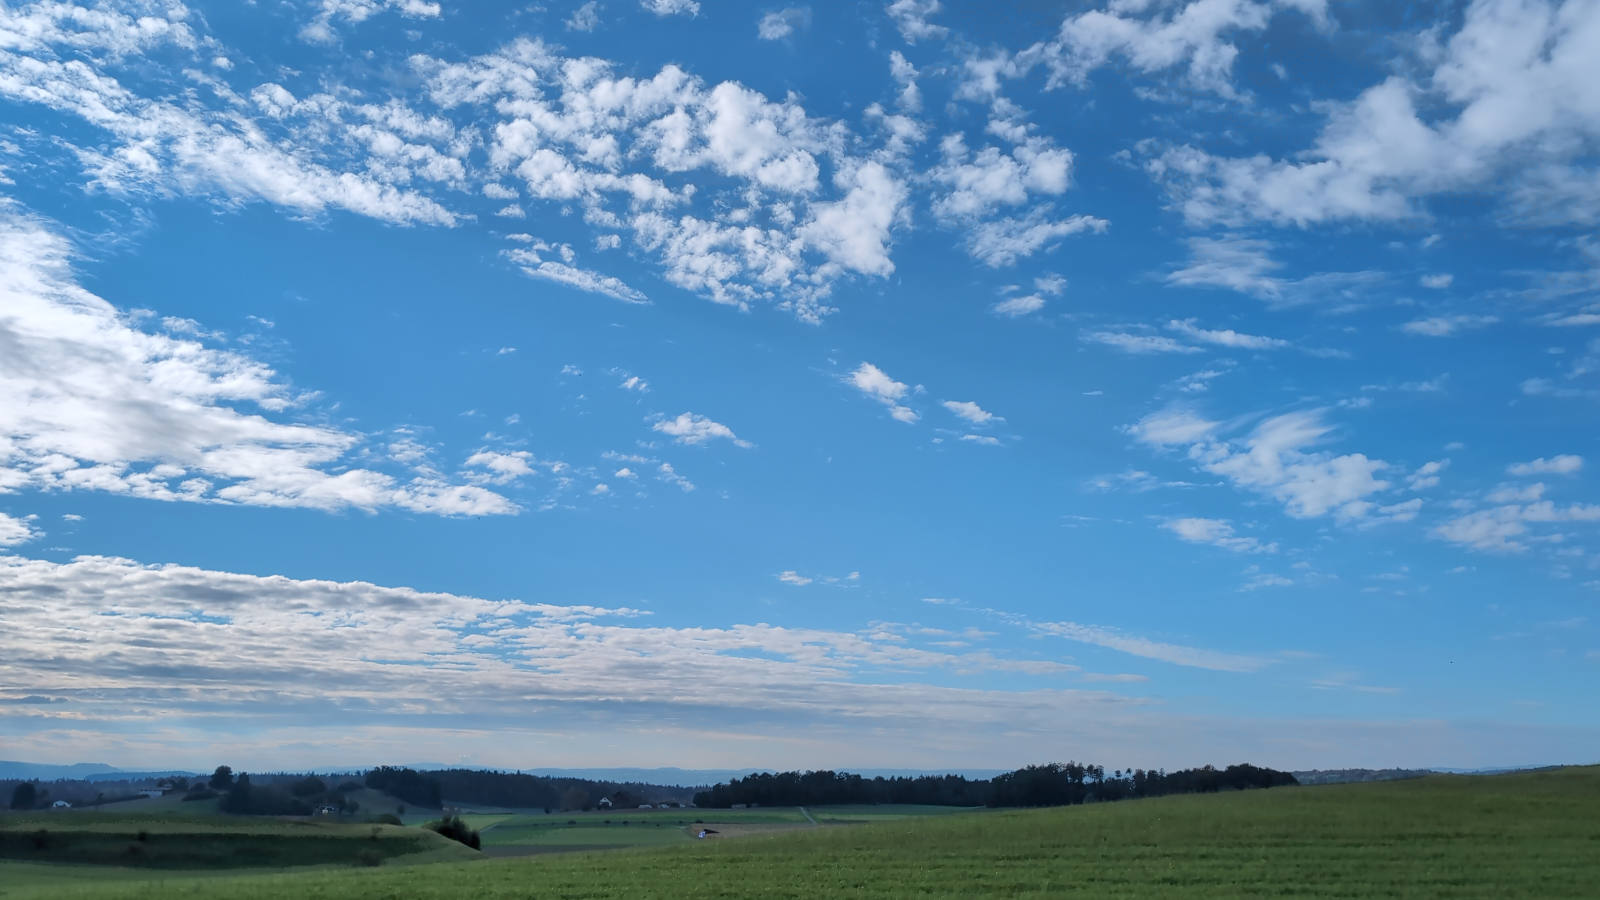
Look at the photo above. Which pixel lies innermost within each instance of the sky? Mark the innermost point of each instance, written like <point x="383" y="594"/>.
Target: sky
<point x="919" y="384"/>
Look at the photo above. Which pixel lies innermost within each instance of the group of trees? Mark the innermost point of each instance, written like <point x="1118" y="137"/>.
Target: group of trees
<point x="1055" y="784"/>
<point x="409" y="785"/>
<point x="513" y="789"/>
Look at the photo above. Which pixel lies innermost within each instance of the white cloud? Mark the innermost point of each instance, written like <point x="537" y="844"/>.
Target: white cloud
<point x="1138" y="343"/>
<point x="692" y="428"/>
<point x="779" y="24"/>
<point x="978" y="183"/>
<point x="1191" y="36"/>
<point x="1172" y="426"/>
<point x="911" y="17"/>
<point x="175" y="144"/>
<point x="1427" y="475"/>
<point x="14" y="531"/>
<point x="905" y="75"/>
<point x="1217" y="533"/>
<point x="1445" y="326"/>
<point x="1275" y="459"/>
<point x="672" y="7"/>
<point x="1503" y="529"/>
<point x="1513" y="493"/>
<point x="1564" y="464"/>
<point x="983" y="440"/>
<point x="1225" y="337"/>
<point x="1504" y="107"/>
<point x="790" y="576"/>
<point x="1175" y="654"/>
<point x="970" y="411"/>
<point x="167" y="642"/>
<point x="1238" y="264"/>
<point x="94" y="403"/>
<point x="665" y="472"/>
<point x="585" y="18"/>
<point x="875" y="383"/>
<point x="1003" y="241"/>
<point x="529" y="260"/>
<point x="320" y="29"/>
<point x="502" y="467"/>
<point x="1437" y="282"/>
<point x="1016" y="307"/>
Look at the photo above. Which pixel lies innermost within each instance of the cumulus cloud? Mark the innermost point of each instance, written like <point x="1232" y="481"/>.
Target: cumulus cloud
<point x="781" y="23"/>
<point x="1504" y="107"/>
<point x="1001" y="242"/>
<point x="672" y="7"/>
<point x="875" y="383"/>
<point x="1193" y="36"/>
<point x="320" y="29"/>
<point x="585" y="18"/>
<point x="1217" y="533"/>
<point x="175" y="144"/>
<point x="1278" y="459"/>
<point x="1445" y="326"/>
<point x="95" y="403"/>
<point x="14" y="531"/>
<point x="1140" y="344"/>
<point x="911" y="17"/>
<point x="1172" y="426"/>
<point x="970" y="411"/>
<point x="1504" y="529"/>
<point x="693" y="428"/>
<point x="1016" y="307"/>
<point x="1225" y="337"/>
<point x="1564" y="464"/>
<point x="530" y="260"/>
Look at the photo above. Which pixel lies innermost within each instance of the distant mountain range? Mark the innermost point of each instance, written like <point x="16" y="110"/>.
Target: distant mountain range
<point x="668" y="776"/>
<point x="697" y="777"/>
<point x="26" y="771"/>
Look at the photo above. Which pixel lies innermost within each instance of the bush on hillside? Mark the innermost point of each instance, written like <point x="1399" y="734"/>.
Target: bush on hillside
<point x="457" y="830"/>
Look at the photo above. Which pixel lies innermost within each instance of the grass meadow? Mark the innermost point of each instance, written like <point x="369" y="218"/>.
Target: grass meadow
<point x="1522" y="835"/>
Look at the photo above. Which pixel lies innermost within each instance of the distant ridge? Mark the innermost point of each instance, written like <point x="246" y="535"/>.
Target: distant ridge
<point x="25" y="771"/>
<point x="13" y="769"/>
<point x="699" y="777"/>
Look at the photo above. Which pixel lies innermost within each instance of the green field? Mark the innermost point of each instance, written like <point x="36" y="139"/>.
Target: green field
<point x="1523" y="835"/>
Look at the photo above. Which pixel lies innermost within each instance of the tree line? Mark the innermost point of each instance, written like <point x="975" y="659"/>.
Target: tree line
<point x="515" y="789"/>
<point x="1054" y="784"/>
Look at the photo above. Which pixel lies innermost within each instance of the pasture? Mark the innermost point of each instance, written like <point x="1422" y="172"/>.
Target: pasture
<point x="1522" y="835"/>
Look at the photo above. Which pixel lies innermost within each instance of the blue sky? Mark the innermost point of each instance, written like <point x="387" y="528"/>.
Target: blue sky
<point x="701" y="384"/>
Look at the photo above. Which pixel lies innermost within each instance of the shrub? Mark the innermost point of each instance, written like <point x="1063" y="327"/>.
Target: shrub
<point x="457" y="830"/>
<point x="369" y="857"/>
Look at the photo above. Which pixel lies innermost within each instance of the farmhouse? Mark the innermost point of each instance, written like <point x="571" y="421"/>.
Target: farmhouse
<point x="61" y="804"/>
<point x="605" y="803"/>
